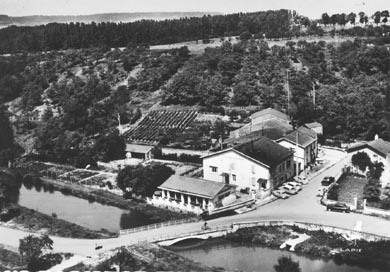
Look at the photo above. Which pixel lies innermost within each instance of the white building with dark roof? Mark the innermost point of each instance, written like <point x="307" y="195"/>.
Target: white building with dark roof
<point x="193" y="194"/>
<point x="379" y="151"/>
<point x="305" y="145"/>
<point x="257" y="166"/>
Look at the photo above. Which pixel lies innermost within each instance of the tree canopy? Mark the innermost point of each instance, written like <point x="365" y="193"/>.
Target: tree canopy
<point x="143" y="180"/>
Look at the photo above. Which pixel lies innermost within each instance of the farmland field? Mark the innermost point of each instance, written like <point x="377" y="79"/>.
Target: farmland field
<point x="161" y="123"/>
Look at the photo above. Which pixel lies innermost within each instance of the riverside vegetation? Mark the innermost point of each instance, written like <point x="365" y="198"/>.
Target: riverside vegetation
<point x="320" y="244"/>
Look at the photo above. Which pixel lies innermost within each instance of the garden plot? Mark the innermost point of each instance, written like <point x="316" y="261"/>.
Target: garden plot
<point x="56" y="171"/>
<point x="351" y="187"/>
<point x="36" y="166"/>
<point x="180" y="168"/>
<point x="77" y="175"/>
<point x="99" y="180"/>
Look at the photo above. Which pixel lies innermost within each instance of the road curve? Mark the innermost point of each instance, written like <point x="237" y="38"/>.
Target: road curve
<point x="303" y="207"/>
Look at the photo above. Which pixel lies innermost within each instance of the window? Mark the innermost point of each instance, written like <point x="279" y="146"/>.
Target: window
<point x="214" y="168"/>
<point x="288" y="164"/>
<point x="234" y="177"/>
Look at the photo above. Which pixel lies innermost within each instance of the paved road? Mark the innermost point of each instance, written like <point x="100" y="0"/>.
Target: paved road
<point x="304" y="206"/>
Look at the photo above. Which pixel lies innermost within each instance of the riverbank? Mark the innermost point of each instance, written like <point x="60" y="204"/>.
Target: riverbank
<point x="145" y="257"/>
<point x="155" y="214"/>
<point x="35" y="221"/>
<point x="327" y="245"/>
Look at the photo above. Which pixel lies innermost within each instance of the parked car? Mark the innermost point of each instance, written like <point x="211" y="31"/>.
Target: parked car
<point x="302" y="181"/>
<point x="327" y="181"/>
<point x="280" y="194"/>
<point x="288" y="189"/>
<point x="295" y="184"/>
<point x="338" y="207"/>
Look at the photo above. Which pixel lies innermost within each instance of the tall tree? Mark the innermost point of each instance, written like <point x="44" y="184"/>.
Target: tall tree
<point x="352" y="18"/>
<point x="325" y="18"/>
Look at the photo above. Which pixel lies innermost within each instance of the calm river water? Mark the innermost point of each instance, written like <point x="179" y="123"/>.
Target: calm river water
<point x="261" y="259"/>
<point x="94" y="216"/>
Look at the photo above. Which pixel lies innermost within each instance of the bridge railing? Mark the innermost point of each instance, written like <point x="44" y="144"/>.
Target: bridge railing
<point x="193" y="233"/>
<point x="157" y="225"/>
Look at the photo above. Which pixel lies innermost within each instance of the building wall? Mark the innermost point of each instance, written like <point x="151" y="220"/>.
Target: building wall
<point x="245" y="173"/>
<point x="193" y="204"/>
<point x="304" y="156"/>
<point x="375" y="157"/>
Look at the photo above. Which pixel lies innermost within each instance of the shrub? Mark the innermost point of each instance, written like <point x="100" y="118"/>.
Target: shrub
<point x="66" y="191"/>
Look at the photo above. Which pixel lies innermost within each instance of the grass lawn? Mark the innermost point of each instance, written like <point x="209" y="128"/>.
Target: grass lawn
<point x="351" y="187"/>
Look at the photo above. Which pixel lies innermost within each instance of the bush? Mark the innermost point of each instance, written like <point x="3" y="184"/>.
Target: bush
<point x="9" y="213"/>
<point x="66" y="191"/>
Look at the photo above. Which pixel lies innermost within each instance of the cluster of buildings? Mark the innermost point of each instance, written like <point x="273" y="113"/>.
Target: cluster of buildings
<point x="256" y="159"/>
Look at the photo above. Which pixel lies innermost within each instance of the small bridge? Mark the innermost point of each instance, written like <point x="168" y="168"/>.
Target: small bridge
<point x="206" y="234"/>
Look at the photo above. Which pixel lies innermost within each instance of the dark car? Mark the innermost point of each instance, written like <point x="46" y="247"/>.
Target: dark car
<point x="327" y="181"/>
<point x="338" y="207"/>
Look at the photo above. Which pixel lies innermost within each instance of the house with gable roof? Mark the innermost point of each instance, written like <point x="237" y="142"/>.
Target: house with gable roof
<point x="193" y="194"/>
<point x="303" y="141"/>
<point x="270" y="122"/>
<point x="379" y="151"/>
<point x="257" y="166"/>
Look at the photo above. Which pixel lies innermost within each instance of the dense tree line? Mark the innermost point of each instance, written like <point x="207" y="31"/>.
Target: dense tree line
<point x="272" y="24"/>
<point x="84" y="94"/>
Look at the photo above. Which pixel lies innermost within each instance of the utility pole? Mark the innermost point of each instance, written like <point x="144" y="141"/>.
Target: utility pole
<point x="314" y="96"/>
<point x="288" y="94"/>
<point x="296" y="152"/>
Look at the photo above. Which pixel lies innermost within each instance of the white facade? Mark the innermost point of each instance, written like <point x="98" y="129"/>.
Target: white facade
<point x="302" y="155"/>
<point x="376" y="157"/>
<point x="191" y="203"/>
<point x="236" y="169"/>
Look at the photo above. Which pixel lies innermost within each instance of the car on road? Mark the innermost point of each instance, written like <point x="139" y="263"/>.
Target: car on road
<point x="280" y="194"/>
<point x="295" y="184"/>
<point x="338" y="207"/>
<point x="288" y="189"/>
<point x="326" y="181"/>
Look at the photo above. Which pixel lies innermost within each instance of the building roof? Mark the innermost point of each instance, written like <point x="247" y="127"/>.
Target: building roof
<point x="305" y="136"/>
<point x="270" y="111"/>
<point x="272" y="129"/>
<point x="193" y="186"/>
<point x="138" y="148"/>
<point x="379" y="146"/>
<point x="264" y="151"/>
<point x="313" y="125"/>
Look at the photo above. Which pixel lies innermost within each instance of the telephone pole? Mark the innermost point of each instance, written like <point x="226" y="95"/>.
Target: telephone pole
<point x="288" y="94"/>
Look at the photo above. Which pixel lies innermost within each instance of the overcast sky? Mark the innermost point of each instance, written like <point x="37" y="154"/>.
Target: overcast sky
<point x="310" y="8"/>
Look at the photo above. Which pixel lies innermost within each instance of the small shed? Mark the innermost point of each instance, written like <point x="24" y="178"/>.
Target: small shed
<point x="139" y="151"/>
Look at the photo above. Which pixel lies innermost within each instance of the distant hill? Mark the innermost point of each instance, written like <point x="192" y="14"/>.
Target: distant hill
<point x="6" y="20"/>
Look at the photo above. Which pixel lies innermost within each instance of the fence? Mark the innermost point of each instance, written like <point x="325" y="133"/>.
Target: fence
<point x="376" y="211"/>
<point x="157" y="225"/>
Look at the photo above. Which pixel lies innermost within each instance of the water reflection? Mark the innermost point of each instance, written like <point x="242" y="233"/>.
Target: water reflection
<point x="79" y="211"/>
<point x="252" y="258"/>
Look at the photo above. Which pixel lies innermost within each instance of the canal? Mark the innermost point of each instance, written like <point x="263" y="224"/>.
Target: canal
<point x="254" y="258"/>
<point x="94" y="215"/>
